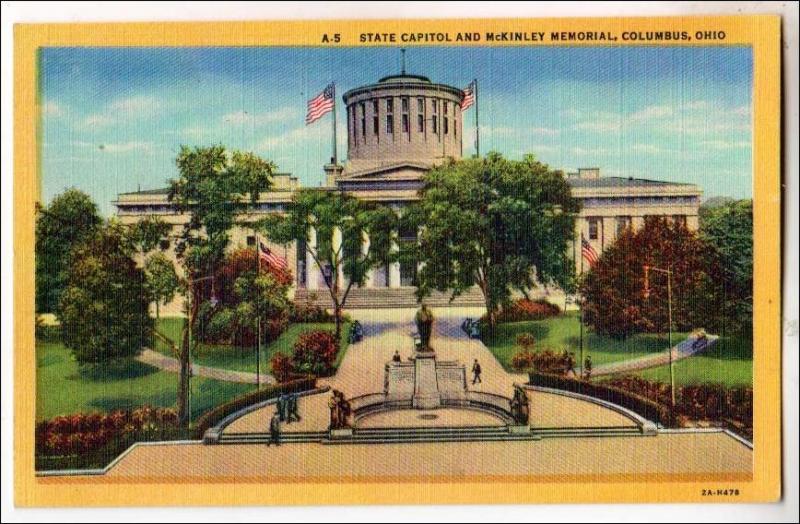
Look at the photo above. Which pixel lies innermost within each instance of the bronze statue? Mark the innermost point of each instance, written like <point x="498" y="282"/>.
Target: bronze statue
<point x="424" y="321"/>
<point x="520" y="407"/>
<point x="340" y="410"/>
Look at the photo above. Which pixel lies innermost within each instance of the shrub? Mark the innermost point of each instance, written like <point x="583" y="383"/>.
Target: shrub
<point x="282" y="367"/>
<point x="526" y="341"/>
<point x="309" y="313"/>
<point x="524" y="309"/>
<point x="523" y="360"/>
<point x="314" y="352"/>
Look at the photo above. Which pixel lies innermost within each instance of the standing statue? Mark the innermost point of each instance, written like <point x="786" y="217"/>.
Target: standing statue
<point x="520" y="408"/>
<point x="424" y="321"/>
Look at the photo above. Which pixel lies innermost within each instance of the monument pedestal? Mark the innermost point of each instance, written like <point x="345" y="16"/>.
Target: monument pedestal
<point x="426" y="385"/>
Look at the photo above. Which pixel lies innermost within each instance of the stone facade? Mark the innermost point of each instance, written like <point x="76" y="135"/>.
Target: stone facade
<point x="398" y="129"/>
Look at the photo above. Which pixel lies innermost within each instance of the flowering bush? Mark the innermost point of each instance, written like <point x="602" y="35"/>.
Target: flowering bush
<point x="282" y="367"/>
<point x="314" y="353"/>
<point x="524" y="309"/>
<point x="86" y="432"/>
<point x="523" y="360"/>
<point x="309" y="313"/>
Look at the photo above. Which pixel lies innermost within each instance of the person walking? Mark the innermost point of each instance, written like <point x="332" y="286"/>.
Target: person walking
<point x="274" y="430"/>
<point x="587" y="367"/>
<point x="476" y="373"/>
<point x="292" y="410"/>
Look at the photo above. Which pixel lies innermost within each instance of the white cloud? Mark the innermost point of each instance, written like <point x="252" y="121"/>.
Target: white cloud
<point x="99" y="120"/>
<point x="119" y="147"/>
<point x="589" y="151"/>
<point x="53" y="109"/>
<point x="135" y="104"/>
<point x="696" y="104"/>
<point x="598" y="126"/>
<point x="650" y="112"/>
<point x="649" y="149"/>
<point x="741" y="111"/>
<point x="244" y="117"/>
<point x="725" y="144"/>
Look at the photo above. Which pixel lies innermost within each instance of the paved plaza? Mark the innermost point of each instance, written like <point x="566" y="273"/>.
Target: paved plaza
<point x="681" y="454"/>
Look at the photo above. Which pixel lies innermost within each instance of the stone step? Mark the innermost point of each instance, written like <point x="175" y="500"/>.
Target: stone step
<point x="364" y="298"/>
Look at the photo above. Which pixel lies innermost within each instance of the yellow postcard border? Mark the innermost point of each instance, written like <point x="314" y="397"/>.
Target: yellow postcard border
<point x="761" y="32"/>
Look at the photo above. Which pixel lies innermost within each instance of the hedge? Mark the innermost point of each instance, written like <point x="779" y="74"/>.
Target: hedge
<point x="215" y="415"/>
<point x="644" y="407"/>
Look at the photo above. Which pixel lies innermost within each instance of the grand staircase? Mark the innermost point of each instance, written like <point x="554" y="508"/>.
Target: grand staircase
<point x="400" y="297"/>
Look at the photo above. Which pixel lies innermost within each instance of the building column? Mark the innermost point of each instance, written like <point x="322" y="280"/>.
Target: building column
<point x="312" y="269"/>
<point x="394" y="267"/>
<point x="364" y="251"/>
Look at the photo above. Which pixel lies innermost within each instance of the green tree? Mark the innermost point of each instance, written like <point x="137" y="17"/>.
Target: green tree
<point x="104" y="307"/>
<point x="342" y="223"/>
<point x="727" y="230"/>
<point x="147" y="233"/>
<point x="618" y="301"/>
<point x="494" y="222"/>
<point x="162" y="280"/>
<point x="69" y="219"/>
<point x="213" y="187"/>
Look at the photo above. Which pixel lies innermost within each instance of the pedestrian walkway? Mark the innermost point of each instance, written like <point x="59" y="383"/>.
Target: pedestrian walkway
<point x="687" y="348"/>
<point x="173" y="365"/>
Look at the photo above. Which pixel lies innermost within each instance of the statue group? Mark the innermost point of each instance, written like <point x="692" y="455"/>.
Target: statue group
<point x="520" y="408"/>
<point x="340" y="410"/>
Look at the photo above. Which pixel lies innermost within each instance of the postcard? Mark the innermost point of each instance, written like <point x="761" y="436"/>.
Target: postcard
<point x="398" y="262"/>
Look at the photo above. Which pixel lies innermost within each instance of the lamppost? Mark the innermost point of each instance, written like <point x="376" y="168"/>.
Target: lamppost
<point x="667" y="272"/>
<point x="213" y="301"/>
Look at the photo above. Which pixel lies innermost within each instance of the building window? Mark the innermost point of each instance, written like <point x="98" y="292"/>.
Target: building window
<point x="679" y="219"/>
<point x="375" y="106"/>
<point x="445" y="122"/>
<point x="405" y="120"/>
<point x="454" y="126"/>
<point x="389" y="105"/>
<point x="389" y="124"/>
<point x="594" y="228"/>
<point x="251" y="240"/>
<point x="375" y="125"/>
<point x="420" y="105"/>
<point x="433" y="125"/>
<point x="164" y="244"/>
<point x="420" y="123"/>
<point x="444" y="106"/>
<point x="404" y="104"/>
<point x="405" y="123"/>
<point x="623" y="223"/>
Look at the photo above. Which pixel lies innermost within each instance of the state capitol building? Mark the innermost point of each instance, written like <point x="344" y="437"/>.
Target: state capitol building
<point x="397" y="129"/>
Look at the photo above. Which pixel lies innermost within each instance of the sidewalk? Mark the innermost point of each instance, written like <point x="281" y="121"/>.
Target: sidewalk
<point x="173" y="365"/>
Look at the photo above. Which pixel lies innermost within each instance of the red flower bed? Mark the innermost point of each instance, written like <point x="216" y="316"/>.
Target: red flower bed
<point x="524" y="309"/>
<point x="86" y="432"/>
<point x="282" y="367"/>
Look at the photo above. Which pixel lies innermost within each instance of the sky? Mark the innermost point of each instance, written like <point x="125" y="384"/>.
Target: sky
<point x="113" y="119"/>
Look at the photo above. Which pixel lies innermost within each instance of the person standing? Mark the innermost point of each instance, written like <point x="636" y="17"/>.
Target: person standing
<point x="587" y="367"/>
<point x="275" y="430"/>
<point x="396" y="356"/>
<point x="476" y="373"/>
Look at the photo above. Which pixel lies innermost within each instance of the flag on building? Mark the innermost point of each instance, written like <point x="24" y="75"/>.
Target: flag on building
<point x="321" y="104"/>
<point x="271" y="259"/>
<point x="469" y="96"/>
<point x="588" y="252"/>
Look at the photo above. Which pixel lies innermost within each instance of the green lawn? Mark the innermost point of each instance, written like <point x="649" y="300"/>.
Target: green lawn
<point x="244" y="358"/>
<point x="62" y="388"/>
<point x="563" y="332"/>
<point x="730" y="362"/>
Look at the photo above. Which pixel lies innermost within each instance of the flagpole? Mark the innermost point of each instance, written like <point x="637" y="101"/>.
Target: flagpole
<point x="477" y="129"/>
<point x="258" y="318"/>
<point x="335" y="155"/>
<point x="580" y="308"/>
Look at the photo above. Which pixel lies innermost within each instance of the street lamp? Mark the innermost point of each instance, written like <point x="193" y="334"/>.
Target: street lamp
<point x="667" y="272"/>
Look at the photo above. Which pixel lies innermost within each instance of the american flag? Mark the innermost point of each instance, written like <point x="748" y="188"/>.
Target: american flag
<point x="270" y="258"/>
<point x="321" y="104"/>
<point x="588" y="252"/>
<point x="469" y="96"/>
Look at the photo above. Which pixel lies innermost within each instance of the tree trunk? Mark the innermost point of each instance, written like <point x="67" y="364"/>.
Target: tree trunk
<point x="337" y="313"/>
<point x="158" y="310"/>
<point x="183" y="381"/>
